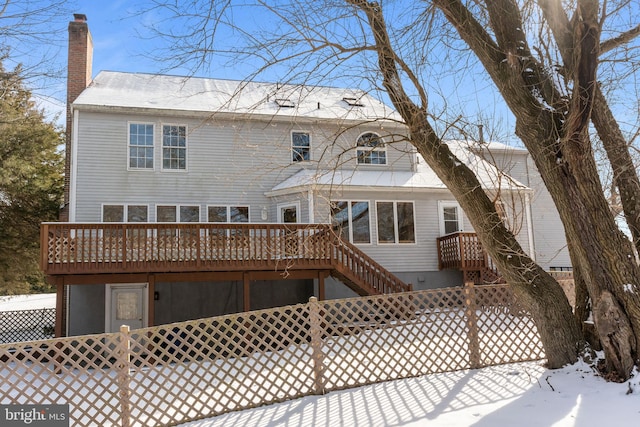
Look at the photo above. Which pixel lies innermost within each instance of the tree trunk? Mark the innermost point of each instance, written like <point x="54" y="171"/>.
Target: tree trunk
<point x="625" y="174"/>
<point x="537" y="291"/>
<point x="554" y="130"/>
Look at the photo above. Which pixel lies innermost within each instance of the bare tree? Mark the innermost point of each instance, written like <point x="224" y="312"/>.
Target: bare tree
<point x="31" y="36"/>
<point x="544" y="66"/>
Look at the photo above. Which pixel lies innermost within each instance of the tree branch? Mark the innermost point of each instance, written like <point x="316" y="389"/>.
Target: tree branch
<point x="623" y="38"/>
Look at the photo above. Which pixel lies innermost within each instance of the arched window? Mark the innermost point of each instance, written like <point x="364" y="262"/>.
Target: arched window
<point x="371" y="149"/>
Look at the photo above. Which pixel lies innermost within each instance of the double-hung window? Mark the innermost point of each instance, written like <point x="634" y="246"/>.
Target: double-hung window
<point x="177" y="213"/>
<point x="126" y="213"/>
<point x="140" y="146"/>
<point x="450" y="217"/>
<point x="371" y="149"/>
<point x="351" y="220"/>
<point x="395" y="222"/>
<point x="300" y="146"/>
<point x="228" y="213"/>
<point x="174" y="147"/>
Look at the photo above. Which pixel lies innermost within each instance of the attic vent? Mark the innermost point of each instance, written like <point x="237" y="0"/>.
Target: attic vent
<point x="285" y="103"/>
<point x="354" y="102"/>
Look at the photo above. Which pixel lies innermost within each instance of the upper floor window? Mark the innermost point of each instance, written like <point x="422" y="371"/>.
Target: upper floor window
<point x="371" y="149"/>
<point x="300" y="146"/>
<point x="351" y="220"/>
<point x="174" y="147"/>
<point x="140" y="146"/>
<point x="395" y="222"/>
<point x="228" y="213"/>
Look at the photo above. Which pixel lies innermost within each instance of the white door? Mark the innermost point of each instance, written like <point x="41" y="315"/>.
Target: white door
<point x="126" y="305"/>
<point x="288" y="213"/>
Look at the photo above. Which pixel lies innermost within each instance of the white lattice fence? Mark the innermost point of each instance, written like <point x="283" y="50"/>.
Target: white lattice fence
<point x="184" y="371"/>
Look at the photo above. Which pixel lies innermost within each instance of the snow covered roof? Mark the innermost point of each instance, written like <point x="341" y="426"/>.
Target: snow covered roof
<point x="358" y="178"/>
<point x="486" y="146"/>
<point x="151" y="91"/>
<point x="423" y="178"/>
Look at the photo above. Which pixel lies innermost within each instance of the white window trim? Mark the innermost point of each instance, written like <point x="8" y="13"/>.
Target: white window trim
<point x="292" y="149"/>
<point x="186" y="148"/>
<point x="177" y="208"/>
<point x="129" y="168"/>
<point x="228" y="207"/>
<point x="395" y="223"/>
<point x="295" y="204"/>
<point x="449" y="204"/>
<point x="371" y="149"/>
<point x="349" y="202"/>
<point x="108" y="302"/>
<point x="125" y="211"/>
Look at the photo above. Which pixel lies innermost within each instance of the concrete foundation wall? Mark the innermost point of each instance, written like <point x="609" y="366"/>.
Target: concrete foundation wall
<point x="421" y="280"/>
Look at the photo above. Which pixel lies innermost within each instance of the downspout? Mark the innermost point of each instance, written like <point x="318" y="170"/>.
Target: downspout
<point x="529" y="214"/>
<point x="532" y="249"/>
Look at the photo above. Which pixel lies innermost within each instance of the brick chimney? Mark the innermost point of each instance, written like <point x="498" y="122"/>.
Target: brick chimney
<point x="78" y="78"/>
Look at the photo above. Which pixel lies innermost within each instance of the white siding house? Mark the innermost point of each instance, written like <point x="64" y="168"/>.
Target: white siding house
<point x="157" y="159"/>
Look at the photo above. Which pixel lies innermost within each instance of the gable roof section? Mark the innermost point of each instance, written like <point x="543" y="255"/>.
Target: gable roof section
<point x="110" y="90"/>
<point x="424" y="178"/>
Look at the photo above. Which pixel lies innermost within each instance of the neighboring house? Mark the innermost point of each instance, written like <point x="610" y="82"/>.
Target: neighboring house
<point x="191" y="197"/>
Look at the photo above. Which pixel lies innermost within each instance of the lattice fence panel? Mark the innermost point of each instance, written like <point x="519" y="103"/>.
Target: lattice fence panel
<point x="185" y="371"/>
<point x="396" y="336"/>
<point x="80" y="371"/>
<point x="27" y="325"/>
<point x="507" y="331"/>
<point x="209" y="367"/>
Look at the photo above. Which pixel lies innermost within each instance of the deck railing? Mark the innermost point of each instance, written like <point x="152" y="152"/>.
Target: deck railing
<point x="100" y="248"/>
<point x="354" y="265"/>
<point x="461" y="251"/>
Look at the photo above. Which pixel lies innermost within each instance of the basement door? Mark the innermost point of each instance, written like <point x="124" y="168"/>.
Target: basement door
<point x="126" y="305"/>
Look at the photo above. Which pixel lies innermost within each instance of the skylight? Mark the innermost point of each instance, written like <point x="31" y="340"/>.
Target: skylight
<point x="353" y="102"/>
<point x="285" y="103"/>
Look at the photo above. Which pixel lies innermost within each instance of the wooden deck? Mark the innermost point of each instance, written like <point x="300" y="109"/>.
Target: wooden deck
<point x="463" y="251"/>
<point x="126" y="248"/>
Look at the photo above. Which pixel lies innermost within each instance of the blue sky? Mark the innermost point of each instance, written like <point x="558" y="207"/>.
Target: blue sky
<point x="122" y="43"/>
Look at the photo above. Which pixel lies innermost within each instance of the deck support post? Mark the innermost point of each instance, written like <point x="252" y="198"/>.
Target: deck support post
<point x="321" y="293"/>
<point x="59" y="326"/>
<point x="151" y="300"/>
<point x="246" y="287"/>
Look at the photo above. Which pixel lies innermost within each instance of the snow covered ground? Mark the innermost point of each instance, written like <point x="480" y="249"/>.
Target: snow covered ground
<point x="27" y="302"/>
<point x="523" y="395"/>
